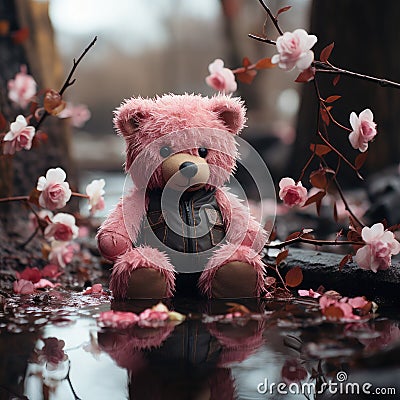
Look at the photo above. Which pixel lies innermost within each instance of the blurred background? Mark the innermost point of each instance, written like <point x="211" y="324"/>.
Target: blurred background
<point x="148" y="48"/>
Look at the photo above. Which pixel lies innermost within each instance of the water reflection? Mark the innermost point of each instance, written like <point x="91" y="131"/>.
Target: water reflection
<point x="205" y="357"/>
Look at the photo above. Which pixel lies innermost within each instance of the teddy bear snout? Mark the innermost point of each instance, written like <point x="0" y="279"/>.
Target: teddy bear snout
<point x="188" y="169"/>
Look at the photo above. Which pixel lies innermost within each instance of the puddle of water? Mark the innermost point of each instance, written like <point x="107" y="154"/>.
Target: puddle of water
<point x="204" y="357"/>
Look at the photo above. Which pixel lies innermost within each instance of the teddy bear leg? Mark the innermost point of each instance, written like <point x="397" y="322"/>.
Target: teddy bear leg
<point x="233" y="272"/>
<point x="143" y="272"/>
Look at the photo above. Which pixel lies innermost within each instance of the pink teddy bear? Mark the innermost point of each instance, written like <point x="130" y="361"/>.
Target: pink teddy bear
<point x="179" y="230"/>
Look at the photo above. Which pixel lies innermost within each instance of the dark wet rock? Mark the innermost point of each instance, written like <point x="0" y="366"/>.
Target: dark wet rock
<point x="321" y="268"/>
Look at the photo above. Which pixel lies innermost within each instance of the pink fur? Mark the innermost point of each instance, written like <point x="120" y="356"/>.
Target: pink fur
<point x="140" y="257"/>
<point x="145" y="124"/>
<point x="225" y="254"/>
<point x="237" y="348"/>
<point x="240" y="225"/>
<point x="113" y="237"/>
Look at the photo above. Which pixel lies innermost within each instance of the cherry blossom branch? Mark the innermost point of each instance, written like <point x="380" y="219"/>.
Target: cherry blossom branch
<point x="14" y="198"/>
<point x="272" y="16"/>
<point x="316" y="242"/>
<point x="84" y="196"/>
<point x="68" y="81"/>
<point x="326" y="67"/>
<point x="261" y="39"/>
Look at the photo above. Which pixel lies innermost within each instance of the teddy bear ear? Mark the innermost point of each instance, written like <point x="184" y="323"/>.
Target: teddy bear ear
<point x="131" y="113"/>
<point x="231" y="111"/>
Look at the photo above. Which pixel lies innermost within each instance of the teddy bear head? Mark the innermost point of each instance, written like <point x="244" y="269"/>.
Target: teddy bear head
<point x="183" y="141"/>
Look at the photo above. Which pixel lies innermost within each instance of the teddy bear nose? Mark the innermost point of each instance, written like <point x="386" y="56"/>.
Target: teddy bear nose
<point x="188" y="169"/>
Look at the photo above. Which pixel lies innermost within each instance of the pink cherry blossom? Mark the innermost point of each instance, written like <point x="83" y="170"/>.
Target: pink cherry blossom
<point x="55" y="192"/>
<point x="292" y="193"/>
<point x="19" y="136"/>
<point x="22" y="88"/>
<point x="118" y="319"/>
<point x="52" y="353"/>
<point x="378" y="250"/>
<point x="22" y="286"/>
<point x="364" y="129"/>
<point x="220" y="78"/>
<point x="61" y="253"/>
<point x="294" y="50"/>
<point x="79" y="114"/>
<point x="30" y="274"/>
<point x="95" y="192"/>
<point x="62" y="228"/>
<point x="309" y="293"/>
<point x="42" y="214"/>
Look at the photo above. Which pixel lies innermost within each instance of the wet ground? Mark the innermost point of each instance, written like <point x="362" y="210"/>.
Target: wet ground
<point x="52" y="347"/>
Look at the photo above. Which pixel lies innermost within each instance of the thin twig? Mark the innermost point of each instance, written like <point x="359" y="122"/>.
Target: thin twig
<point x="68" y="81"/>
<point x="14" y="198"/>
<point x="331" y="69"/>
<point x="272" y="16"/>
<point x="261" y="39"/>
<point x="316" y="242"/>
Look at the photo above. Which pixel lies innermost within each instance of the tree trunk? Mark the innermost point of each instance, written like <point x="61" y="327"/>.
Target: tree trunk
<point x="365" y="36"/>
<point x="19" y="173"/>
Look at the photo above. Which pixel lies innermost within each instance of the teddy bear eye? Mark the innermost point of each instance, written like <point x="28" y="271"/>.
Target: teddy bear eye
<point x="203" y="152"/>
<point x="165" y="151"/>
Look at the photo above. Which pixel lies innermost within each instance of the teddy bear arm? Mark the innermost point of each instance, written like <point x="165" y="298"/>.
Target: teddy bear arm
<point x="241" y="227"/>
<point x="113" y="239"/>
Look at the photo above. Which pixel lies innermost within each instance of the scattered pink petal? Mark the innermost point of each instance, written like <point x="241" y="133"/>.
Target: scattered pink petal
<point x="51" y="271"/>
<point x="95" y="289"/>
<point x="118" y="319"/>
<point x="29" y="274"/>
<point x="43" y="283"/>
<point x="358" y="302"/>
<point x="23" y="286"/>
<point x="309" y="293"/>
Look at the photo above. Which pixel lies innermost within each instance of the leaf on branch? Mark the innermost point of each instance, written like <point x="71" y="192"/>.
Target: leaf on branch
<point x="306" y="76"/>
<point x="320" y="149"/>
<point x="246" y="77"/>
<point x="282" y="10"/>
<point x="20" y="35"/>
<point x="265" y="63"/>
<point x="318" y="179"/>
<point x="360" y="160"/>
<point x="354" y="236"/>
<point x="326" y="52"/>
<point x="331" y="99"/>
<point x="4" y="27"/>
<point x="293" y="235"/>
<point x="3" y="122"/>
<point x="335" y="80"/>
<point x="246" y="62"/>
<point x="315" y="197"/>
<point x="34" y="197"/>
<point x="281" y="256"/>
<point x="347" y="258"/>
<point x="294" y="277"/>
<point x="325" y="116"/>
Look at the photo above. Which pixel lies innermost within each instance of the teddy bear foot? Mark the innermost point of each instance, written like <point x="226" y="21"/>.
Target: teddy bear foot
<point x="146" y="283"/>
<point x="142" y="273"/>
<point x="234" y="279"/>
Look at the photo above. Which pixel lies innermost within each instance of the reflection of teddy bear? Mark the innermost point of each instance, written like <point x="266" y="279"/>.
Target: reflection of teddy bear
<point x="191" y="361"/>
<point x="180" y="151"/>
